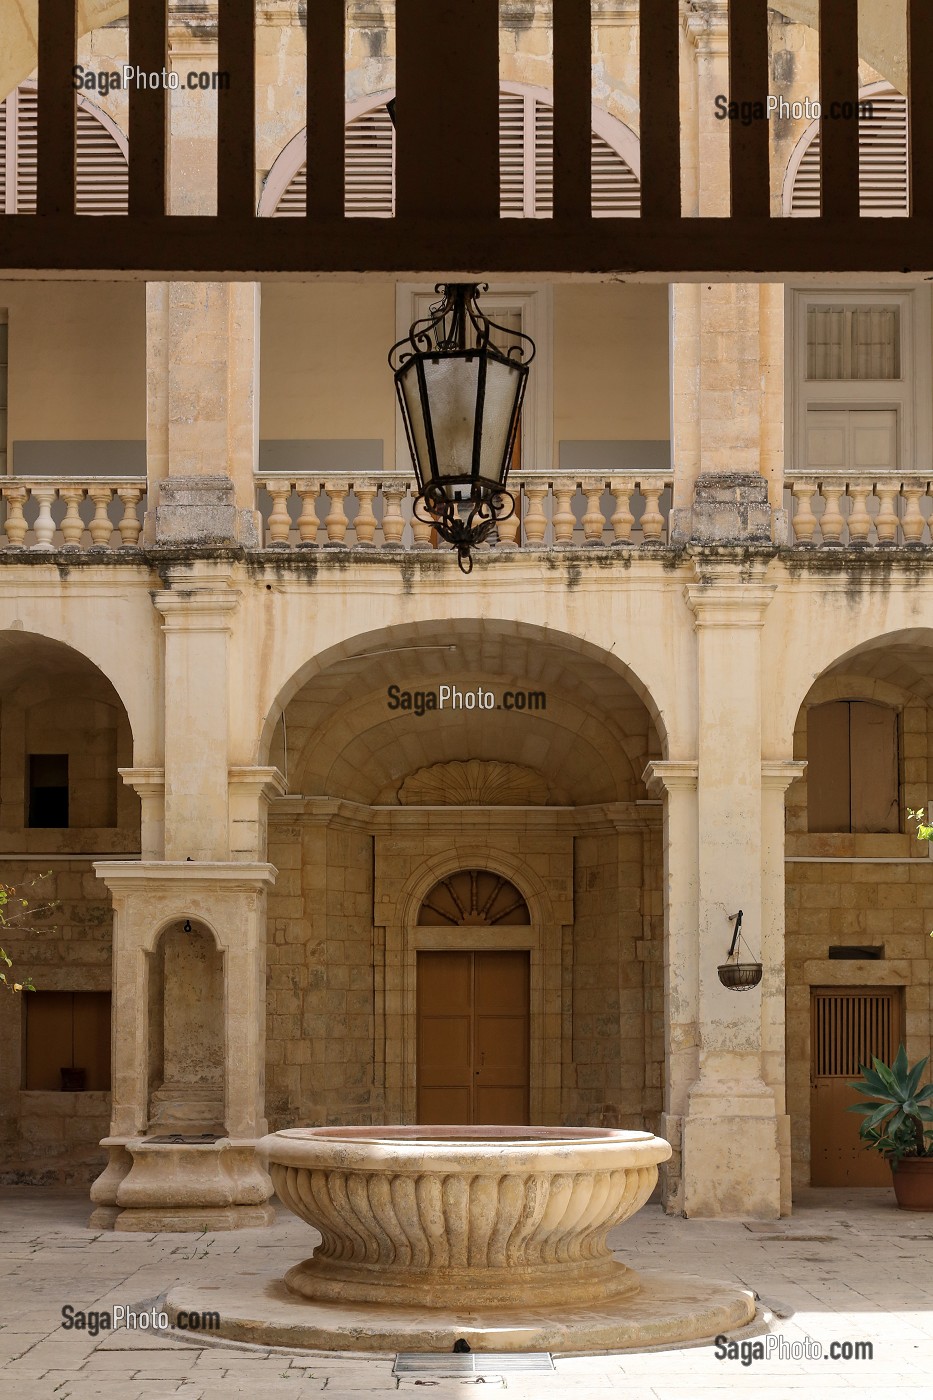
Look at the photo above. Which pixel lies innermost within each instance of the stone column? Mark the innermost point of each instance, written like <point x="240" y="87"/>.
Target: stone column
<point x="196" y="613"/>
<point x="776" y="776"/>
<point x="731" y="1160"/>
<point x="677" y="782"/>
<point x="202" y="368"/>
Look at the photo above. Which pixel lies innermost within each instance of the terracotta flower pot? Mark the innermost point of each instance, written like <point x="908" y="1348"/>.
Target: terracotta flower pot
<point x="913" y="1183"/>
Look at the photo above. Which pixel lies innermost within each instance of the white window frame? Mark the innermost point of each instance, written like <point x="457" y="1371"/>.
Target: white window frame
<point x="910" y="395"/>
<point x="536" y="301"/>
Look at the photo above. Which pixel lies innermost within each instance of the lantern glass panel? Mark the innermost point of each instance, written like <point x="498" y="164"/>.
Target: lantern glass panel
<point x="452" y="383"/>
<point x="408" y="379"/>
<point x="503" y="386"/>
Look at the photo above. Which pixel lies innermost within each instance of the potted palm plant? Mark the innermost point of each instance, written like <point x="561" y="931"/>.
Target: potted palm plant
<point x="895" y="1124"/>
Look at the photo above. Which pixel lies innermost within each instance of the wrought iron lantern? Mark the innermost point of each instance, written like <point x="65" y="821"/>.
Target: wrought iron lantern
<point x="460" y="380"/>
<point x="738" y="976"/>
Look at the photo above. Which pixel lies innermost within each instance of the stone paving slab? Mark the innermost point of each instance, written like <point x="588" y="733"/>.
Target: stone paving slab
<point x="845" y="1267"/>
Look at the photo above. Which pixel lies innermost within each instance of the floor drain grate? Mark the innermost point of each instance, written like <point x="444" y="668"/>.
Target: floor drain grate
<point x="483" y="1363"/>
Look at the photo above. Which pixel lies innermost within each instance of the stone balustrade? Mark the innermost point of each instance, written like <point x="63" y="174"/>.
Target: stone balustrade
<point x="551" y="511"/>
<point x="850" y="510"/>
<point x="49" y="513"/>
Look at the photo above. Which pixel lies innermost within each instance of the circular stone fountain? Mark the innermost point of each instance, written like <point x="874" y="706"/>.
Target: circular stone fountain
<point x="496" y="1235"/>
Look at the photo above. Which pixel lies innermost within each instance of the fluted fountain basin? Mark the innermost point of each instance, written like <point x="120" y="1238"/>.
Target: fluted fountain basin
<point x="494" y="1235"/>
<point x="428" y="1216"/>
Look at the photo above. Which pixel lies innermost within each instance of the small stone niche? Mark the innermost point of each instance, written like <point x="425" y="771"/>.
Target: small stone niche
<point x="186" y="1032"/>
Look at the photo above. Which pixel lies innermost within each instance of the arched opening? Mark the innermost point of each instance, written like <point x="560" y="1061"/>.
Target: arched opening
<point x="859" y="895"/>
<point x="102" y="170"/>
<point x="884" y="184"/>
<point x="475" y="789"/>
<point x="64" y="733"/>
<point x="186" y="1032"/>
<point x="526" y="144"/>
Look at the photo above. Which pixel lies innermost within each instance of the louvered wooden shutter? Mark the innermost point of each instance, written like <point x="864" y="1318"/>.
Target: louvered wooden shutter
<point x="102" y="171"/>
<point x="526" y="164"/>
<point x="883" y="173"/>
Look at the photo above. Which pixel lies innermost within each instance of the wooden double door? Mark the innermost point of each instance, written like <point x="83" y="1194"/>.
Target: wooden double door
<point x="848" y="1026"/>
<point x="473" y="1037"/>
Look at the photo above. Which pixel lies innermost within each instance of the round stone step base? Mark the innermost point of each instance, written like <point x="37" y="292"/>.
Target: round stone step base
<point x="668" y="1310"/>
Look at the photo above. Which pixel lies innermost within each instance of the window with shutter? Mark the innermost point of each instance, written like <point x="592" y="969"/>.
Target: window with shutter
<point x="852" y="767"/>
<point x="102" y="184"/>
<point x="884" y="186"/>
<point x="526" y="162"/>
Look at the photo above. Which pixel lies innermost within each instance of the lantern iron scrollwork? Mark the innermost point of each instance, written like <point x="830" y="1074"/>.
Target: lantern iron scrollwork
<point x="460" y="380"/>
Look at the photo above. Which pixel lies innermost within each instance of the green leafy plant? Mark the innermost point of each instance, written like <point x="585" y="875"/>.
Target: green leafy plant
<point x="14" y="909"/>
<point x="898" y="1109"/>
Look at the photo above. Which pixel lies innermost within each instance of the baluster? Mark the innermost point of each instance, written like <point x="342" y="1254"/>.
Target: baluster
<point x="72" y="526"/>
<point x="15" y="525"/>
<point x="365" y="523"/>
<point x="535" y="518"/>
<point x="832" y="521"/>
<point x="280" y="524"/>
<point x="393" y="524"/>
<point x="622" y="518"/>
<point x="563" y="519"/>
<point x="913" y="522"/>
<point x="859" y="519"/>
<point x="507" y="529"/>
<point x="101" y="527"/>
<point x="45" y="525"/>
<point x="129" y="524"/>
<point x="594" y="522"/>
<point x="652" y="521"/>
<point x="308" y="523"/>
<point x="803" y="519"/>
<point x="886" y="520"/>
<point x="336" y="522"/>
<point x="421" y="532"/>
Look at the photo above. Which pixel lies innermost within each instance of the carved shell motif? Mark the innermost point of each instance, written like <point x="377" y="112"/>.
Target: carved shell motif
<point x="475" y="783"/>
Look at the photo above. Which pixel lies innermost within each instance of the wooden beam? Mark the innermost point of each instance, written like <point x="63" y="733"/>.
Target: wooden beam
<point x="659" y="107"/>
<point x="447" y="110"/>
<point x="57" y="102"/>
<point x="573" y="103"/>
<point x="717" y="249"/>
<point x="920" y="105"/>
<point x="839" y="163"/>
<point x="148" y="52"/>
<point x="236" y="108"/>
<point x="326" y="106"/>
<point x="749" y="82"/>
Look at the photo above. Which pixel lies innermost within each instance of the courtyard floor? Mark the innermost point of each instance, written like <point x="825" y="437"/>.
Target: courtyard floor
<point x="847" y="1267"/>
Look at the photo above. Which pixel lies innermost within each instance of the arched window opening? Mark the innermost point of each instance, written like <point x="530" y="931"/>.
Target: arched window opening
<point x="526" y="150"/>
<point x="102" y="183"/>
<point x="473" y="897"/>
<point x="852" y="767"/>
<point x="884" y="179"/>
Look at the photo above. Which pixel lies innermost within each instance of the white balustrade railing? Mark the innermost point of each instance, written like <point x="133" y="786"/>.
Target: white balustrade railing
<point x="45" y="513"/>
<point x="852" y="509"/>
<point x="550" y="510"/>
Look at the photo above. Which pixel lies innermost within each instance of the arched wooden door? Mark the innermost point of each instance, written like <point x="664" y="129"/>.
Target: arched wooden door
<point x="473" y="1008"/>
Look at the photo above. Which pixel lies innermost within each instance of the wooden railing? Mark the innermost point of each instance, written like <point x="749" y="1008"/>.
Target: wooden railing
<point x="837" y="509"/>
<point x="48" y="513"/>
<point x="447" y="163"/>
<point x="552" y="510"/>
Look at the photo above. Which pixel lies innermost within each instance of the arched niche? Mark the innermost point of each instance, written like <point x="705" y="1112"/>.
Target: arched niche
<point x="186" y="1031"/>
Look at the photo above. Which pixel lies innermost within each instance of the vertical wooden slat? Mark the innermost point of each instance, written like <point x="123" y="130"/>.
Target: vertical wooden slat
<point x="447" y="110"/>
<point x="920" y="105"/>
<point x="573" y="104"/>
<point x="236" y="109"/>
<point x="148" y="128"/>
<point x="839" y="175"/>
<point x="326" y="105"/>
<point x="57" y="107"/>
<point x="659" y="107"/>
<point x="749" y="81"/>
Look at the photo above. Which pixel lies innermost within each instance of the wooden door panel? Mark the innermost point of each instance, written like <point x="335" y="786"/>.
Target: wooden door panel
<point x="848" y="1026"/>
<point x="501" y="1104"/>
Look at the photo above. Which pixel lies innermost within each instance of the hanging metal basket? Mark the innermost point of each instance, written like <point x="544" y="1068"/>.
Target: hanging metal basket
<point x="739" y="977"/>
<point x="736" y="975"/>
